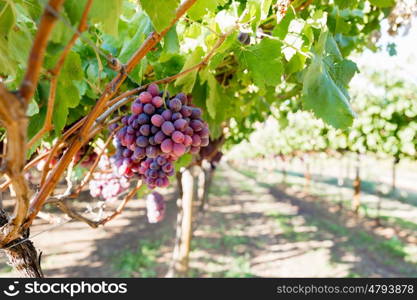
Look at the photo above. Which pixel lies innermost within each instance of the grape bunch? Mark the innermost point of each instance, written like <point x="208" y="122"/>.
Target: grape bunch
<point x="156" y="134"/>
<point x="155" y="207"/>
<point x="106" y="183"/>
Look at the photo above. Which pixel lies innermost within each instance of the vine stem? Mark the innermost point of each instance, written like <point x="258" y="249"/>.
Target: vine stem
<point x="13" y="117"/>
<point x="83" y="134"/>
<point x="47" y="126"/>
<point x="37" y="53"/>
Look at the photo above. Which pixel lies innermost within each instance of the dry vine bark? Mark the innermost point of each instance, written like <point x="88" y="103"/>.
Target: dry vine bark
<point x="14" y="230"/>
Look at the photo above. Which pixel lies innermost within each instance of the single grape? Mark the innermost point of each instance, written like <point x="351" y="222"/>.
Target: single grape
<point x="142" y="141"/>
<point x="196" y="113"/>
<point x="167" y="127"/>
<point x="176" y="116"/>
<point x="166" y="146"/>
<point x="204" y="141"/>
<point x="175" y="104"/>
<point x="145" y="97"/>
<point x="137" y="108"/>
<point x="186" y="111"/>
<point x="178" y="149"/>
<point x="196" y="125"/>
<point x="182" y="97"/>
<point x="153" y="89"/>
<point x="159" y="137"/>
<point x="178" y="137"/>
<point x="187" y="140"/>
<point x="145" y="129"/>
<point x="157" y="120"/>
<point x="149" y="108"/>
<point x="180" y="124"/>
<point x="196" y="140"/>
<point x="157" y="101"/>
<point x="143" y="119"/>
<point x="167" y="115"/>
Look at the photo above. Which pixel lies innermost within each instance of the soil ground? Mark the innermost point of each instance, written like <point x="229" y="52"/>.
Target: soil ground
<point x="253" y="227"/>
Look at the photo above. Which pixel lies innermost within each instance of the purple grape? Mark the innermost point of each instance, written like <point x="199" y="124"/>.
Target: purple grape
<point x="113" y="127"/>
<point x="154" y="129"/>
<point x="149" y="108"/>
<point x="176" y="116"/>
<point x="131" y="119"/>
<point x="137" y="108"/>
<point x="151" y="151"/>
<point x="167" y="127"/>
<point x="204" y="132"/>
<point x="129" y="139"/>
<point x="143" y="119"/>
<point x="142" y="141"/>
<point x="127" y="153"/>
<point x="204" y="141"/>
<point x="161" y="160"/>
<point x="182" y="97"/>
<point x="194" y="150"/>
<point x="178" y="137"/>
<point x="187" y="140"/>
<point x="125" y="120"/>
<point x="135" y="124"/>
<point x="157" y="120"/>
<point x="196" y="125"/>
<point x="153" y="173"/>
<point x="180" y="124"/>
<point x="159" y="137"/>
<point x="186" y="111"/>
<point x="130" y="130"/>
<point x="167" y="115"/>
<point x="153" y="89"/>
<point x="196" y="113"/>
<point x="175" y="105"/>
<point x="152" y="141"/>
<point x="166" y="146"/>
<point x="196" y="140"/>
<point x="154" y="165"/>
<point x="145" y="97"/>
<point x="167" y="167"/>
<point x="178" y="149"/>
<point x="157" y="101"/>
<point x="145" y="129"/>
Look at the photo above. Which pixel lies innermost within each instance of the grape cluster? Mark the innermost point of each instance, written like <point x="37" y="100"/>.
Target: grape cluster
<point x="155" y="207"/>
<point x="156" y="134"/>
<point x="106" y="183"/>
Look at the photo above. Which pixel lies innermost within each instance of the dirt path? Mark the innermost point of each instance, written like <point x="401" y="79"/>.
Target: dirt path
<point x="250" y="229"/>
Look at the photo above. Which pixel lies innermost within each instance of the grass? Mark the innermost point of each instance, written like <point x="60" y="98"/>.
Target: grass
<point x="139" y="263"/>
<point x="289" y="230"/>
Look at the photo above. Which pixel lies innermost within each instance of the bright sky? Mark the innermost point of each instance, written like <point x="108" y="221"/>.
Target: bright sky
<point x="404" y="63"/>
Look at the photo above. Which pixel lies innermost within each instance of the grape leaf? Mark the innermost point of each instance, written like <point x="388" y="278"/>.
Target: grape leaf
<point x="382" y="3"/>
<point x="183" y="161"/>
<point x="7" y="17"/>
<point x="263" y="61"/>
<point x="187" y="81"/>
<point x="201" y="8"/>
<point x="325" y="82"/>
<point x="213" y="96"/>
<point x="161" y="12"/>
<point x="20" y="42"/>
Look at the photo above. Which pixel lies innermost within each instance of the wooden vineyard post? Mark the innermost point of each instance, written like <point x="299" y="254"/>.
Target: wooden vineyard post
<point x="207" y="174"/>
<point x="179" y="265"/>
<point x="394" y="174"/>
<point x="357" y="186"/>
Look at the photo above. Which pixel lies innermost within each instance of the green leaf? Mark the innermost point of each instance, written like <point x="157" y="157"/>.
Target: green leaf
<point x="213" y="96"/>
<point x="20" y="43"/>
<point x="7" y="17"/>
<point x="202" y="7"/>
<point x="72" y="68"/>
<point x="183" y="161"/>
<point x="383" y="3"/>
<point x="171" y="44"/>
<point x="161" y="12"/>
<point x="33" y="108"/>
<point x="36" y="122"/>
<point x="263" y="61"/>
<point x="7" y="65"/>
<point x="325" y="83"/>
<point x="187" y="81"/>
